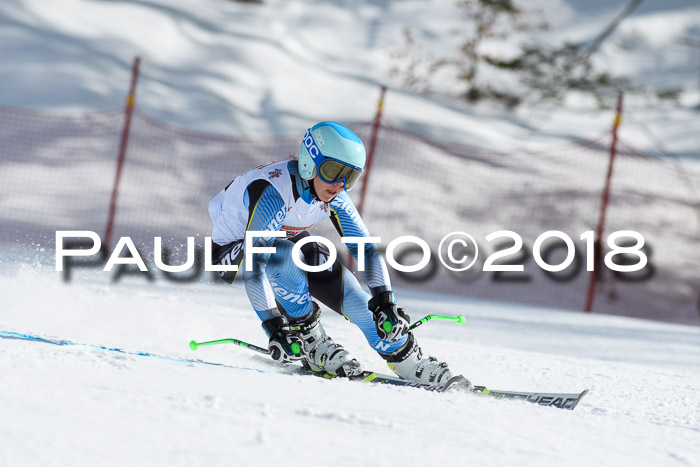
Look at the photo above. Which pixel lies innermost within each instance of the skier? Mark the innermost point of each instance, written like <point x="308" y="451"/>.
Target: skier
<point x="291" y="196"/>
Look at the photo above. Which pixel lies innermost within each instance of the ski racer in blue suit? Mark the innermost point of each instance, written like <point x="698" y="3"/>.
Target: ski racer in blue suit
<point x="291" y="196"/>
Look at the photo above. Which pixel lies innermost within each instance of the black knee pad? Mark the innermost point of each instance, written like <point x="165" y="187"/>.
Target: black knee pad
<point x="314" y="253"/>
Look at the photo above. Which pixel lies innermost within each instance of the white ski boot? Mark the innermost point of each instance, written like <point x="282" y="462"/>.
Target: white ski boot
<point x="408" y="363"/>
<point x="321" y="353"/>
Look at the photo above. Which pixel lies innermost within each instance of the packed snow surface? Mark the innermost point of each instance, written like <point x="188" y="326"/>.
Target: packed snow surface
<point x="85" y="406"/>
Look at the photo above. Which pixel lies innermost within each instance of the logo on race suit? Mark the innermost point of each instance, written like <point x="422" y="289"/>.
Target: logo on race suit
<point x="281" y="292"/>
<point x="275" y="174"/>
<point x="228" y="259"/>
<point x="310" y="146"/>
<point x="324" y="206"/>
<point x="274" y="224"/>
<point x="319" y="137"/>
<point x="342" y="204"/>
<point x="382" y="346"/>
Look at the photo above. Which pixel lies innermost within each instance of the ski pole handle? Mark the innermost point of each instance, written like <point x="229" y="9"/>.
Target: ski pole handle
<point x="460" y="319"/>
<point x="194" y="345"/>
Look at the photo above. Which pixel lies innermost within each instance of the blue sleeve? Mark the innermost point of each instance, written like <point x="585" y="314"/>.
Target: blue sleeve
<point x="267" y="212"/>
<point x="348" y="223"/>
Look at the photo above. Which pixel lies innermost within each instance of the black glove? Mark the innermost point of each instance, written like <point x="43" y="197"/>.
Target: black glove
<point x="391" y="321"/>
<point x="285" y="345"/>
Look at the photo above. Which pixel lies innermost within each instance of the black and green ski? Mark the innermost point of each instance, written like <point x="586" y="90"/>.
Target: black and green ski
<point x="567" y="401"/>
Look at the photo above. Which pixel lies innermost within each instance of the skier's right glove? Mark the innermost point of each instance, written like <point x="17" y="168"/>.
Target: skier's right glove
<point x="285" y="345"/>
<point x="391" y="321"/>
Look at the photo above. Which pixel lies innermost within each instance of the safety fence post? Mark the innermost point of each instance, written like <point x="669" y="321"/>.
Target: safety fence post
<point x="598" y="241"/>
<point x="128" y="112"/>
<point x="376" y="125"/>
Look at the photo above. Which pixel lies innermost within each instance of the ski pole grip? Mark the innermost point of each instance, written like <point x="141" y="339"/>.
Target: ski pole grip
<point x="459" y="319"/>
<point x="194" y="345"/>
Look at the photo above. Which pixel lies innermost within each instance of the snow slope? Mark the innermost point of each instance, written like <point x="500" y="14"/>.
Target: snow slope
<point x="83" y="406"/>
<point x="252" y="70"/>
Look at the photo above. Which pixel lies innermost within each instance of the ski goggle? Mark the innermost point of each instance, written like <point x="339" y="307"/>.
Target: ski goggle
<point x="332" y="171"/>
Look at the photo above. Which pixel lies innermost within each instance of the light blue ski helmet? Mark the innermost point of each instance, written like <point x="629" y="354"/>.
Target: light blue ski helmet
<point x="333" y="152"/>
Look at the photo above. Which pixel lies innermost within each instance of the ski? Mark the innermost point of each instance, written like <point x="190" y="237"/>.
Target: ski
<point x="376" y="378"/>
<point x="567" y="401"/>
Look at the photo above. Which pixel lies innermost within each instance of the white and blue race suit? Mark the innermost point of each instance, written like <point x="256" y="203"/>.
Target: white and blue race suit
<point x="273" y="197"/>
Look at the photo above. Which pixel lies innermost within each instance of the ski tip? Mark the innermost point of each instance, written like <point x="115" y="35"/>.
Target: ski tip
<point x="194" y="345"/>
<point x="578" y="399"/>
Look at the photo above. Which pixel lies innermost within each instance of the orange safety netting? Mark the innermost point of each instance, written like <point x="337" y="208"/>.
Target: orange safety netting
<point x="58" y="172"/>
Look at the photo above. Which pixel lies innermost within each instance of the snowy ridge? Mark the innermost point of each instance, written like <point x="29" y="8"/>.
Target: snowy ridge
<point x="270" y="69"/>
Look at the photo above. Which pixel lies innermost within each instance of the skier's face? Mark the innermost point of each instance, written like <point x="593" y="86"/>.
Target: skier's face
<point x="327" y="191"/>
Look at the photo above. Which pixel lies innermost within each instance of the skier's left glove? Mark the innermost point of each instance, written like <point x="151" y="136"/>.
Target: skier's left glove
<point x="391" y="321"/>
